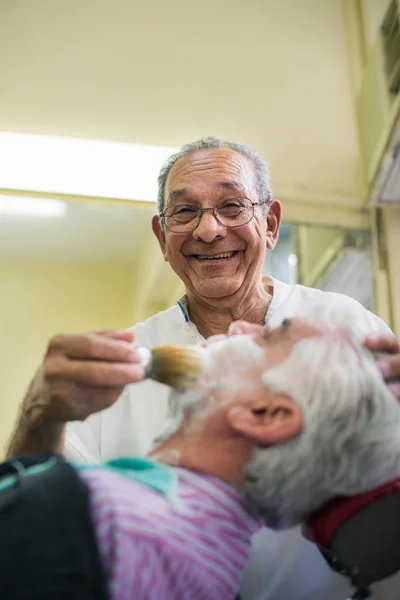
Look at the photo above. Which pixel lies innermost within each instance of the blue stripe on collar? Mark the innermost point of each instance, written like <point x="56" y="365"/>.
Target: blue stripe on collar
<point x="185" y="315"/>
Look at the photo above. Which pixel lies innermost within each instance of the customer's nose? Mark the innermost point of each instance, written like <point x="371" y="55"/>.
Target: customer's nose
<point x="209" y="229"/>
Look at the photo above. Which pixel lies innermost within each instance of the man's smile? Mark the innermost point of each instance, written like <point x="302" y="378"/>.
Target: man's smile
<point x="217" y="256"/>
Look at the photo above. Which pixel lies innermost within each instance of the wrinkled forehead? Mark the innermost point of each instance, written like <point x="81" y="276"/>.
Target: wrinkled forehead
<point x="220" y="170"/>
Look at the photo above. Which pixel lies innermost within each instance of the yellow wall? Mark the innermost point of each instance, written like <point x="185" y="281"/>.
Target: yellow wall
<point x="40" y="299"/>
<point x="373" y="13"/>
<point x="272" y="73"/>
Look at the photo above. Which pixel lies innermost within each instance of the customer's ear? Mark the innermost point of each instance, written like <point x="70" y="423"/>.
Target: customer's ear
<point x="267" y="422"/>
<point x="159" y="232"/>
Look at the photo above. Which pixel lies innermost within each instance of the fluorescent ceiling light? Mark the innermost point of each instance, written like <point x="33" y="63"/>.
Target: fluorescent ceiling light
<point x="32" y="207"/>
<point x="80" y="167"/>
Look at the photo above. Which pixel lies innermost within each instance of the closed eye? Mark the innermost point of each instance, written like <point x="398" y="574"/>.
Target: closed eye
<point x="259" y="411"/>
<point x="183" y="209"/>
<point x="235" y="202"/>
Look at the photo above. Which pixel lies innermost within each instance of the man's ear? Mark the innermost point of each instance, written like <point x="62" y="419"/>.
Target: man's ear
<point x="267" y="422"/>
<point x="159" y="232"/>
<point x="274" y="218"/>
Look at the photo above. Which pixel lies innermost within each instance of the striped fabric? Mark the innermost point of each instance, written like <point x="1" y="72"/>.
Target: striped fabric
<point x="152" y="551"/>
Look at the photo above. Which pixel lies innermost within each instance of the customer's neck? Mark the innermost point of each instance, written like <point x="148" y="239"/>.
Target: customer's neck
<point x="222" y="458"/>
<point x="213" y="316"/>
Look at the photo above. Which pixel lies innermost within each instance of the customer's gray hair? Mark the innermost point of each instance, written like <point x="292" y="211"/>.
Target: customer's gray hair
<point x="259" y="165"/>
<point x="350" y="441"/>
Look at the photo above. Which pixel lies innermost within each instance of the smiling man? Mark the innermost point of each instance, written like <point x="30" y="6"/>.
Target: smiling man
<point x="216" y="220"/>
<point x="213" y="233"/>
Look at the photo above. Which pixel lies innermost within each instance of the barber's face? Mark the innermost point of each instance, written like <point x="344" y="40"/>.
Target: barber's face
<point x="214" y="261"/>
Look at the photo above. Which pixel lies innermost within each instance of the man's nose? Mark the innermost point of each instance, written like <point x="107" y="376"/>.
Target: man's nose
<point x="209" y="229"/>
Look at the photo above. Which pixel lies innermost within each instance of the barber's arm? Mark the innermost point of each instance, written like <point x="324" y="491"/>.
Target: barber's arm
<point x="36" y="431"/>
<point x="80" y="375"/>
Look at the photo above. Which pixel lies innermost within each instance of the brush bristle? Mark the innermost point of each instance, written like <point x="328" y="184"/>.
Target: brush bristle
<point x="177" y="366"/>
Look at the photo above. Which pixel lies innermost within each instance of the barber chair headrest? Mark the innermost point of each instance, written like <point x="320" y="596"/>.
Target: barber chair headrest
<point x="359" y="536"/>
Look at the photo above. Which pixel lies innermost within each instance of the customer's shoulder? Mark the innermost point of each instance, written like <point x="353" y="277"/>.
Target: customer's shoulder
<point x="159" y="328"/>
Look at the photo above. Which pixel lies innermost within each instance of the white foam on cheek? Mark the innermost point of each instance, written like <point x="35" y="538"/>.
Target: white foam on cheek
<point x="299" y="369"/>
<point x="230" y="366"/>
<point x="191" y="397"/>
<point x="232" y="362"/>
<point x="200" y="412"/>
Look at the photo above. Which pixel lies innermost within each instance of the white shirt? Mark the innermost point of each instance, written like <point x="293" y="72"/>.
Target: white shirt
<point x="283" y="566"/>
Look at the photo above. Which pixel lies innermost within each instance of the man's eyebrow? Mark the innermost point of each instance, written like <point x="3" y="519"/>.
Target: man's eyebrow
<point x="176" y="194"/>
<point x="234" y="186"/>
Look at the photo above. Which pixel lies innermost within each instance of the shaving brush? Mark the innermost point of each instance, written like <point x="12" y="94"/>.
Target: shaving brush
<point x="176" y="366"/>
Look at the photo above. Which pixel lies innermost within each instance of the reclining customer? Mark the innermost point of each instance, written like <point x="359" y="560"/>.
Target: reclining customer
<point x="281" y="422"/>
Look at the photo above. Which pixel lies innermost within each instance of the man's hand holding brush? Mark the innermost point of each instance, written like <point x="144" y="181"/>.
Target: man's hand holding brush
<point x="79" y="376"/>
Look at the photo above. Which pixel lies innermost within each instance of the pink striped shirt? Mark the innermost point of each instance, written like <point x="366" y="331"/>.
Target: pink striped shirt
<point x="153" y="551"/>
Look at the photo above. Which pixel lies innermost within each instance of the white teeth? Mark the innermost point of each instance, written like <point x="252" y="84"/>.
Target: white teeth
<point x="222" y="255"/>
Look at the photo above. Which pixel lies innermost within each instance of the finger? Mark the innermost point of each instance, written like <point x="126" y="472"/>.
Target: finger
<point x="127" y="336"/>
<point x="389" y="366"/>
<point x="94" y="346"/>
<point x="395" y="389"/>
<point x="383" y="342"/>
<point x="94" y="373"/>
<point x="243" y="327"/>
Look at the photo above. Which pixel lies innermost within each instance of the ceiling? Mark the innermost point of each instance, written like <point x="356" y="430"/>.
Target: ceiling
<point x="274" y="74"/>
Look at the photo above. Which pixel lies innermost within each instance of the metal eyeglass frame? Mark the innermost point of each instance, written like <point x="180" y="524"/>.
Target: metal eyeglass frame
<point x="212" y="209"/>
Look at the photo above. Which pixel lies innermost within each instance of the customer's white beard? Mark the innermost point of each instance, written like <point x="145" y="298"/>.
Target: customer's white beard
<point x="350" y="441"/>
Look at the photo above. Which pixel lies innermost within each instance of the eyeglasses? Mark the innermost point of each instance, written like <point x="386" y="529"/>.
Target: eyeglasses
<point x="232" y="212"/>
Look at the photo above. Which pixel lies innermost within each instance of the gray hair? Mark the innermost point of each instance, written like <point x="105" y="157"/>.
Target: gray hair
<point x="259" y="165"/>
<point x="350" y="442"/>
